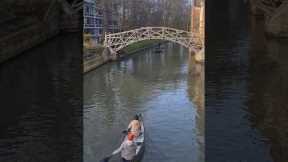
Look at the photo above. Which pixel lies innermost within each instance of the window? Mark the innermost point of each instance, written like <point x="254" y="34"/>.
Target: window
<point x="86" y="10"/>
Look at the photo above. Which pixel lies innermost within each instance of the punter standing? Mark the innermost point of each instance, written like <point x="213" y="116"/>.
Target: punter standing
<point x="127" y="149"/>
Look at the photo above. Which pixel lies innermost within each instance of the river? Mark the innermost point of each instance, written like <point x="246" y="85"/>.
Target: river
<point x="246" y="88"/>
<point x="156" y="85"/>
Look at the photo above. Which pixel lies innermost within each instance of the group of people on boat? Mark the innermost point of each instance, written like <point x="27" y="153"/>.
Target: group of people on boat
<point x="128" y="146"/>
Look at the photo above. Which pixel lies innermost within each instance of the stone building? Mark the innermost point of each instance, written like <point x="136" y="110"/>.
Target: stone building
<point x="100" y="17"/>
<point x="93" y="19"/>
<point x="198" y="26"/>
<point x="197" y="18"/>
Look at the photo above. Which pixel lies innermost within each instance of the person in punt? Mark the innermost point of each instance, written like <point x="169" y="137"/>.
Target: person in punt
<point x="135" y="126"/>
<point x="127" y="148"/>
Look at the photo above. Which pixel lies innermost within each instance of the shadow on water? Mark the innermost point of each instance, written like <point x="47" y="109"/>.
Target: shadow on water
<point x="246" y="89"/>
<point x="41" y="98"/>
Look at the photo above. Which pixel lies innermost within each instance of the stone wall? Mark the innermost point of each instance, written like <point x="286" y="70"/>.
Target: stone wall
<point x="14" y="44"/>
<point x="22" y="31"/>
<point x="31" y="22"/>
<point x="276" y="22"/>
<point x="27" y="7"/>
<point x="95" y="58"/>
<point x="277" y="25"/>
<point x="198" y="26"/>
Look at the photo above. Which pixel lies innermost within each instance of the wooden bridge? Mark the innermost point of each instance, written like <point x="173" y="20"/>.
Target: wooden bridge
<point x="117" y="41"/>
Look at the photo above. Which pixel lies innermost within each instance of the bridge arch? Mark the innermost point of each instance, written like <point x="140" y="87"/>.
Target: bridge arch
<point x="117" y="41"/>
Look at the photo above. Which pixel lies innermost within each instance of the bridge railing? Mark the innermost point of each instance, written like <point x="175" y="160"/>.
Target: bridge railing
<point x="154" y="28"/>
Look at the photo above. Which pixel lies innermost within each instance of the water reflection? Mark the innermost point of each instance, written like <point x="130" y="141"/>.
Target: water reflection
<point x="196" y="93"/>
<point x="229" y="135"/>
<point x="246" y="90"/>
<point x="155" y="84"/>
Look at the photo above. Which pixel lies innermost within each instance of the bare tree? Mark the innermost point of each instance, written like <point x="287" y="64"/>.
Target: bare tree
<point x="171" y="13"/>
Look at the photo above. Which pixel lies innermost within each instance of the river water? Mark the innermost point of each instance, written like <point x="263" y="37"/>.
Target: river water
<point x="41" y="96"/>
<point x="246" y="88"/>
<point x="156" y="85"/>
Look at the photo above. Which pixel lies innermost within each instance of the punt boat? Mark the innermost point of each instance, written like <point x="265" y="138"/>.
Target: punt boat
<point x="139" y="143"/>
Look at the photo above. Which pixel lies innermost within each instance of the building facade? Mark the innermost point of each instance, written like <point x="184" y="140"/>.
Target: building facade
<point x="100" y="17"/>
<point x="93" y="20"/>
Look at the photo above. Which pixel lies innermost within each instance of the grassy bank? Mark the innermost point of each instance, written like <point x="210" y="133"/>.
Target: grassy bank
<point x="140" y="46"/>
<point x="93" y="58"/>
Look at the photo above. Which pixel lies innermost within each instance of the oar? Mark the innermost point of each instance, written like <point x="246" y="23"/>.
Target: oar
<point x="106" y="159"/>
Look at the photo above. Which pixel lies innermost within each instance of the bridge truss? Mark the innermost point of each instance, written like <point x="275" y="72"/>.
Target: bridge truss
<point x="117" y="41"/>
